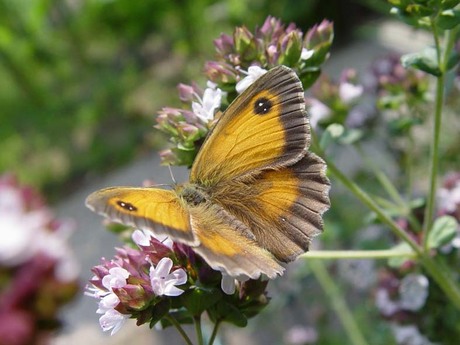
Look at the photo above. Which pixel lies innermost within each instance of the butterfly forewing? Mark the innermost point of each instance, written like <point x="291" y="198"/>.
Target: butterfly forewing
<point x="265" y="127"/>
<point x="155" y="209"/>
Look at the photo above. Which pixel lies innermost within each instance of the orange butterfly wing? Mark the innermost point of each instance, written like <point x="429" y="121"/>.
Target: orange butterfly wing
<point x="282" y="208"/>
<point x="265" y="127"/>
<point x="227" y="245"/>
<point x="159" y="210"/>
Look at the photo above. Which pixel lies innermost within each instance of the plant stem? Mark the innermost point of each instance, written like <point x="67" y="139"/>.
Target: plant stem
<point x="179" y="329"/>
<point x="443" y="58"/>
<point x="333" y="292"/>
<point x="358" y="254"/>
<point x="371" y="204"/>
<point x="434" y="269"/>
<point x="214" y="333"/>
<point x="434" y="161"/>
<point x="199" y="333"/>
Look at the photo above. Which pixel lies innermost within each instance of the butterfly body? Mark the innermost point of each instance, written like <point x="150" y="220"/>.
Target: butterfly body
<point x="255" y="197"/>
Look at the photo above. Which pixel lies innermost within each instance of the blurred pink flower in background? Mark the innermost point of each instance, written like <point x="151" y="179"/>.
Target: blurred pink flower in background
<point x="38" y="272"/>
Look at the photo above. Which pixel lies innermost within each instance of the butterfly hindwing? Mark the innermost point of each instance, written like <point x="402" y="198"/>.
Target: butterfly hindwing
<point x="265" y="127"/>
<point x="283" y="208"/>
<point x="159" y="210"/>
<point x="228" y="246"/>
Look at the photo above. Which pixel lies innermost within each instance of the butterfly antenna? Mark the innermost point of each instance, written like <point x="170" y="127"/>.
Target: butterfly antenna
<point x="172" y="175"/>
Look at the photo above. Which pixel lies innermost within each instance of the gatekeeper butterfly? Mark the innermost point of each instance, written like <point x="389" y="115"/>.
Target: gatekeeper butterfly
<point x="256" y="195"/>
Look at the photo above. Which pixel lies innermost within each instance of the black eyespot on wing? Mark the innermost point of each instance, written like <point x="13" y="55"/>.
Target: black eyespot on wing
<point x="127" y="206"/>
<point x="262" y="106"/>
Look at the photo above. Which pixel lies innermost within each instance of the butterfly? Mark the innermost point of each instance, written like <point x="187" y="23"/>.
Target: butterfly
<point x="255" y="196"/>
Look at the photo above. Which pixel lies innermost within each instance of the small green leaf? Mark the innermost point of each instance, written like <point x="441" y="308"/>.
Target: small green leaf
<point x="426" y="61"/>
<point x="309" y="76"/>
<point x="224" y="311"/>
<point x="351" y="136"/>
<point x="443" y="231"/>
<point x="335" y="132"/>
<point x="182" y="316"/>
<point x="331" y="134"/>
<point x="159" y="310"/>
<point x="197" y="300"/>
<point x="401" y="126"/>
<point x="397" y="262"/>
<point x="447" y="4"/>
<point x="448" y="19"/>
<point x="454" y="59"/>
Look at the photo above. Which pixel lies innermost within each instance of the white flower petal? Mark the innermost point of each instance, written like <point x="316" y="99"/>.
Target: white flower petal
<point x="171" y="290"/>
<point x="254" y="73"/>
<point x="141" y="237"/>
<point x="112" y="320"/>
<point x="163" y="282"/>
<point x="107" y="302"/>
<point x="409" y="335"/>
<point x="349" y="92"/>
<point x="116" y="278"/>
<point x="163" y="267"/>
<point x="211" y="85"/>
<point x="318" y="111"/>
<point x="180" y="276"/>
<point x="413" y="291"/>
<point x="306" y="54"/>
<point x="227" y="284"/>
<point x="383" y="302"/>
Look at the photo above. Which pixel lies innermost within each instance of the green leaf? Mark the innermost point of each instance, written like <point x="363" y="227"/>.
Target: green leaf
<point x="454" y="59"/>
<point x="224" y="311"/>
<point x="448" y="4"/>
<point x="335" y="132"/>
<point x="351" y="136"/>
<point x="443" y="231"/>
<point x="401" y="126"/>
<point x="448" y="19"/>
<point x="199" y="299"/>
<point x="309" y="76"/>
<point x="425" y="61"/>
<point x="331" y="134"/>
<point x="159" y="310"/>
<point x="397" y="262"/>
<point x="182" y="316"/>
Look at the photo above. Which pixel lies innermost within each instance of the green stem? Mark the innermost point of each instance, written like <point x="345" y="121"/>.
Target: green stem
<point x="179" y="329"/>
<point x="371" y="204"/>
<point x="199" y="333"/>
<point x="443" y="58"/>
<point x="408" y="164"/>
<point x="434" y="161"/>
<point x="391" y="190"/>
<point x="214" y="333"/>
<point x="358" y="254"/>
<point x="442" y="276"/>
<point x="337" y="301"/>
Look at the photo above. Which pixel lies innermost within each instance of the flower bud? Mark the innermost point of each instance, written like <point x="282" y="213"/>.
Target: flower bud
<point x="220" y="72"/>
<point x="319" y="39"/>
<point x="291" y="47"/>
<point x="224" y="45"/>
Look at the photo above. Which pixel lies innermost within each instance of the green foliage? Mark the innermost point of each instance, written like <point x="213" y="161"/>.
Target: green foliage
<point x="444" y="230"/>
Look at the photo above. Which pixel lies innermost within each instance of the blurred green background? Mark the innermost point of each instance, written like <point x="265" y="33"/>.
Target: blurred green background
<point x="81" y="81"/>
